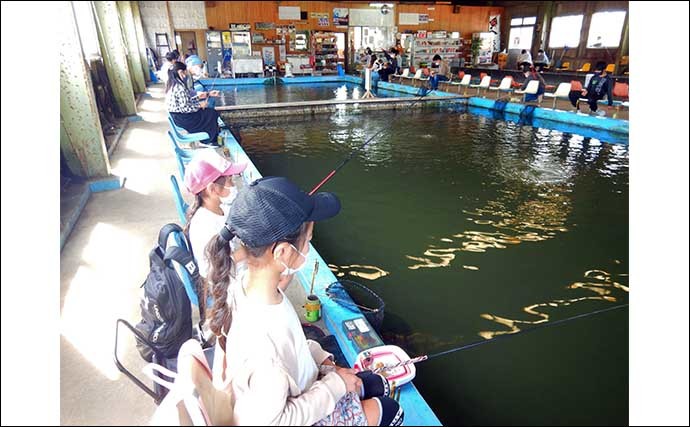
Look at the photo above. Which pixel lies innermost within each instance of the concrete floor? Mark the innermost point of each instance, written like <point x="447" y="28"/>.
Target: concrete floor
<point x="102" y="266"/>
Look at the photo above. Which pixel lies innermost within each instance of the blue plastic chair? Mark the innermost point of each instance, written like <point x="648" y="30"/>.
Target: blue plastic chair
<point x="182" y="156"/>
<point x="189" y="288"/>
<point x="179" y="241"/>
<point x="180" y="204"/>
<point x="187" y="138"/>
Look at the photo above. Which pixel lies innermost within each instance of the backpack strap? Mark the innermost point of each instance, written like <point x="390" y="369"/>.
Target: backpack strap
<point x="165" y="232"/>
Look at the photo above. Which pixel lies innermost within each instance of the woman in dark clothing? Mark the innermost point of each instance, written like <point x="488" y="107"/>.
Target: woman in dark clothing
<point x="186" y="110"/>
<point x="393" y="59"/>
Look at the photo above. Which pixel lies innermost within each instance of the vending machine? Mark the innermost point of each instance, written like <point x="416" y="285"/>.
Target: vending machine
<point x="241" y="43"/>
<point x="219" y="52"/>
<point x="214" y="52"/>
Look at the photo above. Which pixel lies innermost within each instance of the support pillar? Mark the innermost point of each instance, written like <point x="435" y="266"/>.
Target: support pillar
<point x="114" y="54"/>
<point x="129" y="34"/>
<point x="141" y="40"/>
<point x="624" y="45"/>
<point x="81" y="136"/>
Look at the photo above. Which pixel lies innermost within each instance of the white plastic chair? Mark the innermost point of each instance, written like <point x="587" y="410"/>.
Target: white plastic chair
<point x="484" y="84"/>
<point x="405" y="74"/>
<point x="562" y="91"/>
<point x="505" y="86"/>
<point x="465" y="80"/>
<point x="531" y="89"/>
<point x="418" y="77"/>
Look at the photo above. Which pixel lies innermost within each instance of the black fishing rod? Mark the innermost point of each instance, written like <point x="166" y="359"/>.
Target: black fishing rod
<point x="478" y="343"/>
<point x="352" y="153"/>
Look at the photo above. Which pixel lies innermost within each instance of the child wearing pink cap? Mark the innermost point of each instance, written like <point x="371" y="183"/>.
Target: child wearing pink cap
<point x="208" y="177"/>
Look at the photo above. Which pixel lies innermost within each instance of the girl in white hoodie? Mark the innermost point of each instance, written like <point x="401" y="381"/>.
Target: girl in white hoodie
<point x="277" y="376"/>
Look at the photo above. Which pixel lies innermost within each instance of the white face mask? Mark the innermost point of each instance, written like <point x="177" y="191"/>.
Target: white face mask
<point x="290" y="271"/>
<point x="226" y="201"/>
<point x="230" y="197"/>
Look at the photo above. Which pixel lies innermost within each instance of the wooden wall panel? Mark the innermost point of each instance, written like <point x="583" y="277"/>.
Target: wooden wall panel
<point x="470" y="19"/>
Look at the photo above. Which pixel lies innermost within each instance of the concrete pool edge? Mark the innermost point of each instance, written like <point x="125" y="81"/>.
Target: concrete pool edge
<point x="219" y="83"/>
<point x="606" y="124"/>
<point x="601" y="123"/>
<point x="417" y="410"/>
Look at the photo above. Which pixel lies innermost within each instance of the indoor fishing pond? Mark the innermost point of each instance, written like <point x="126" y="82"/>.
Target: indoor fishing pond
<point x="473" y="228"/>
<point x="269" y="94"/>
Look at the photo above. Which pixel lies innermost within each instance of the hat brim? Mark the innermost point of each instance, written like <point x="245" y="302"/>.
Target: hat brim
<point x="234" y="169"/>
<point x="326" y="205"/>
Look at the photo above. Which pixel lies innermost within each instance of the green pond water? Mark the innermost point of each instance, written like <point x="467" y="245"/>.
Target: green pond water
<point x="263" y="94"/>
<point x="471" y="228"/>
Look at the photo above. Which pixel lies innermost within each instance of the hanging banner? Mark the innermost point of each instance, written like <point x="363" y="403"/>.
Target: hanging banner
<point x="423" y="18"/>
<point x="323" y="22"/>
<point x="495" y="28"/>
<point x="281" y="53"/>
<point x="341" y="16"/>
<point x="240" y="27"/>
<point x="318" y="15"/>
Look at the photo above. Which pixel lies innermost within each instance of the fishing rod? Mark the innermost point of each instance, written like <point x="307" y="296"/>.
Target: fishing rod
<point x="352" y="153"/>
<point x="478" y="343"/>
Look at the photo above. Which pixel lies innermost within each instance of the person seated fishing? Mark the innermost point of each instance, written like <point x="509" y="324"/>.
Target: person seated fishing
<point x="440" y="73"/>
<point x="186" y="110"/>
<point x="276" y="375"/>
<point x="530" y="75"/>
<point x="599" y="85"/>
<point x="541" y="61"/>
<point x="195" y="67"/>
<point x="209" y="177"/>
<point x="524" y="60"/>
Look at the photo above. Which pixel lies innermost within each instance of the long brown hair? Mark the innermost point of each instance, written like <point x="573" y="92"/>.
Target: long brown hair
<point x="222" y="269"/>
<point x="196" y="204"/>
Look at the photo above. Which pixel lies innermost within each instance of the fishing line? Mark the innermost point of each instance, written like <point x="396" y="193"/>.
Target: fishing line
<point x="353" y="152"/>
<point x="478" y="343"/>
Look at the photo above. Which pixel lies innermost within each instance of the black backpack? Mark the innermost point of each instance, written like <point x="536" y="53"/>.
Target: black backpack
<point x="165" y="307"/>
